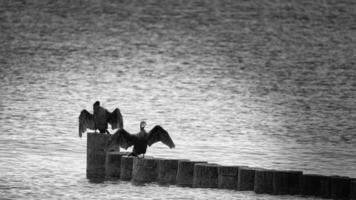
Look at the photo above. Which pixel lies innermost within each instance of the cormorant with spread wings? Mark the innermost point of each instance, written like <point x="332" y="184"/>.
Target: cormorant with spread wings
<point x="140" y="140"/>
<point x="99" y="119"/>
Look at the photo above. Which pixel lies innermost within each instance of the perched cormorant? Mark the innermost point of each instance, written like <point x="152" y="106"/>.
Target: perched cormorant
<point x="140" y="140"/>
<point x="100" y="119"/>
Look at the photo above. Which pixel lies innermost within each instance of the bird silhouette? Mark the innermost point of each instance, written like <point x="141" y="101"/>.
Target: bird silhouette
<point x="141" y="140"/>
<point x="99" y="119"/>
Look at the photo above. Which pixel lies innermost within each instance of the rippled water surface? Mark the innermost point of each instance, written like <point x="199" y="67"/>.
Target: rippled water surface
<point x="268" y="84"/>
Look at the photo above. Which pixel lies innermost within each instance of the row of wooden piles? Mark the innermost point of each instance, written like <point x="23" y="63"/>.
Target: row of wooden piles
<point x="200" y="174"/>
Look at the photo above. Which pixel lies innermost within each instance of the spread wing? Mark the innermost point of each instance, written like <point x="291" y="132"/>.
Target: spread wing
<point x="86" y="120"/>
<point x="115" y="119"/>
<point x="122" y="138"/>
<point x="159" y="134"/>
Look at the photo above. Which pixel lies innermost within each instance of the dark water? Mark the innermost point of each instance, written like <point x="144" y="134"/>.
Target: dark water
<point x="268" y="84"/>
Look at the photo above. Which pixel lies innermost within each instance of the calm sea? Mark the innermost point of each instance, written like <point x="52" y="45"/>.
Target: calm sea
<point x="267" y="83"/>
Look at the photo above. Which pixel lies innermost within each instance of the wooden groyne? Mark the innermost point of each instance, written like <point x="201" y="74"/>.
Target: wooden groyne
<point x="205" y="175"/>
<point x="201" y="174"/>
<point x="112" y="161"/>
<point x="96" y="155"/>
<point x="144" y="170"/>
<point x="246" y="179"/>
<point x="227" y="177"/>
<point x="185" y="172"/>
<point x="167" y="171"/>
<point x="126" y="168"/>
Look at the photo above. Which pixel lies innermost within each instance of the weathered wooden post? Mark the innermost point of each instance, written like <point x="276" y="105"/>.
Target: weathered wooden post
<point x="353" y="189"/>
<point x="287" y="182"/>
<point x="246" y="179"/>
<point x="340" y="187"/>
<point x="167" y="171"/>
<point x="227" y="177"/>
<point x="263" y="181"/>
<point x="326" y="187"/>
<point x="113" y="163"/>
<point x="205" y="175"/>
<point x="144" y="170"/>
<point x="185" y="172"/>
<point x="311" y="185"/>
<point x="96" y="154"/>
<point x="126" y="168"/>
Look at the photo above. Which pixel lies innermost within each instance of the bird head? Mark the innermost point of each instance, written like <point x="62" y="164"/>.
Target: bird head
<point x="142" y="125"/>
<point x="96" y="105"/>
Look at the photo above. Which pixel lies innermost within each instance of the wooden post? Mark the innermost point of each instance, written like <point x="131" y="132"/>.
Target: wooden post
<point x="205" y="175"/>
<point x="246" y="179"/>
<point x="263" y="181"/>
<point x="340" y="187"/>
<point x="227" y="177"/>
<point x="113" y="163"/>
<point x="286" y="182"/>
<point x="353" y="189"/>
<point x="96" y="144"/>
<point x="185" y="172"/>
<point x="126" y="168"/>
<point x="326" y="187"/>
<point x="144" y="170"/>
<point x="311" y="185"/>
<point x="167" y="171"/>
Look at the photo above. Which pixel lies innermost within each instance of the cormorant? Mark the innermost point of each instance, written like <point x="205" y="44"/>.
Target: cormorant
<point x="100" y="119"/>
<point x="140" y="140"/>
